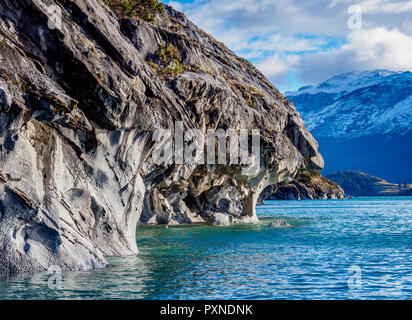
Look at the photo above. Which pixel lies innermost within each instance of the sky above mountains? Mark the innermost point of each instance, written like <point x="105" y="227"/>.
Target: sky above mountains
<point x="295" y="42"/>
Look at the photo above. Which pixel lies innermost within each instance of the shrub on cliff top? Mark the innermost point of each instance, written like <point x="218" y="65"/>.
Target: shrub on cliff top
<point x="143" y="9"/>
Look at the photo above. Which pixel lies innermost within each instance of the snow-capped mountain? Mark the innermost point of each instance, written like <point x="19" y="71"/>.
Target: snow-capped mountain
<point x="363" y="120"/>
<point x="346" y="82"/>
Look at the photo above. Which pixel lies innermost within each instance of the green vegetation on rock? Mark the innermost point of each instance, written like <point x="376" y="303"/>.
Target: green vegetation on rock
<point x="143" y="9"/>
<point x="167" y="61"/>
<point x="306" y="176"/>
<point x="168" y="53"/>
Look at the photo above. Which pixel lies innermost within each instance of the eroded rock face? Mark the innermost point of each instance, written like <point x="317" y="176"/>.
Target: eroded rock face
<point x="316" y="188"/>
<point x="78" y="108"/>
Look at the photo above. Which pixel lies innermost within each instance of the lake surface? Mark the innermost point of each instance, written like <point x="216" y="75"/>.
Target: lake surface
<point x="336" y="249"/>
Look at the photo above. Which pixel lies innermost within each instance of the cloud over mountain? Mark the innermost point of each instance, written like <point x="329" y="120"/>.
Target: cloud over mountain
<point x="295" y="42"/>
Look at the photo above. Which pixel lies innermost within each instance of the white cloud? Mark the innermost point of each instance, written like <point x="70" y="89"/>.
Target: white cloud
<point x="310" y="38"/>
<point x="279" y="42"/>
<point x="276" y="43"/>
<point x="258" y="17"/>
<point x="377" y="48"/>
<point x="385" y="6"/>
<point x="407" y="25"/>
<point x="176" y="5"/>
<point x="277" y="65"/>
<point x="381" y="48"/>
<point x="377" y="6"/>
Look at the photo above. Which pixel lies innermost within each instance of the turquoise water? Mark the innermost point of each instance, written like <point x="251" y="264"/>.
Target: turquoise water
<point x="312" y="260"/>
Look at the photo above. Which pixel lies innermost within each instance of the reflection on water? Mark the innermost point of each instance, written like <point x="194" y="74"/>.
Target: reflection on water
<point x="309" y="260"/>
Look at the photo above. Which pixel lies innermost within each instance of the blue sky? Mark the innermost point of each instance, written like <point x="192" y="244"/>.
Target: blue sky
<point x="297" y="42"/>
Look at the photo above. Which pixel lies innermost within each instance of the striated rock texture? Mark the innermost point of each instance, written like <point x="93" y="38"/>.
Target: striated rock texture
<point x="307" y="185"/>
<point x="78" y="108"/>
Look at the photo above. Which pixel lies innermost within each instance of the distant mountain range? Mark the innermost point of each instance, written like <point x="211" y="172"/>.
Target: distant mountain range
<point x="362" y="121"/>
<point x="357" y="183"/>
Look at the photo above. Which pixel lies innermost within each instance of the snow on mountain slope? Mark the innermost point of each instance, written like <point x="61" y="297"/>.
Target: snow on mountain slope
<point x="399" y="116"/>
<point x="345" y="82"/>
<point x="357" y="104"/>
<point x="362" y="121"/>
